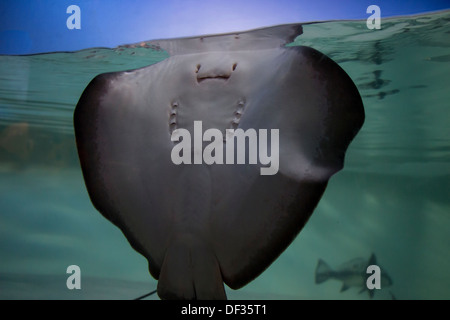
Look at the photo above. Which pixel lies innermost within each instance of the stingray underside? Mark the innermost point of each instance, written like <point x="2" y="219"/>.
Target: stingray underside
<point x="201" y="225"/>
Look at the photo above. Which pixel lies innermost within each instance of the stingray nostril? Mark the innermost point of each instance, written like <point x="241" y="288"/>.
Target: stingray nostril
<point x="198" y="68"/>
<point x="234" y="66"/>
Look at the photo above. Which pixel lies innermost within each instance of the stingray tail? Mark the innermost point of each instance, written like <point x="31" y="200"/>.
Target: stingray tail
<point x="323" y="272"/>
<point x="190" y="271"/>
<point x="146" y="295"/>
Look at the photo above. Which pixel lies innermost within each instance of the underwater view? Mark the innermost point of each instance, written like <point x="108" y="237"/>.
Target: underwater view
<point x="390" y="203"/>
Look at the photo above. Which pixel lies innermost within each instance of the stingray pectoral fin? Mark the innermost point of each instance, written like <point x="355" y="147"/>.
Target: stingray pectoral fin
<point x="86" y="116"/>
<point x="117" y="133"/>
<point x="321" y="118"/>
<point x="264" y="214"/>
<point x="317" y="109"/>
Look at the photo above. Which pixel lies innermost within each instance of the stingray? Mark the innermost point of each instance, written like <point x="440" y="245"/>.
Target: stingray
<point x="202" y="224"/>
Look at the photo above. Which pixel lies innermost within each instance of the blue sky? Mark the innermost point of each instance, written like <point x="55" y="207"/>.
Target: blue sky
<point x="34" y="26"/>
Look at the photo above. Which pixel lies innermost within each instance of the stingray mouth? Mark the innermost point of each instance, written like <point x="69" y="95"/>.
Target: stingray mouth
<point x="223" y="77"/>
<point x="213" y="74"/>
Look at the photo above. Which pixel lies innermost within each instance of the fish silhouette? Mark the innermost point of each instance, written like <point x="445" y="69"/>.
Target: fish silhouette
<point x="352" y="273"/>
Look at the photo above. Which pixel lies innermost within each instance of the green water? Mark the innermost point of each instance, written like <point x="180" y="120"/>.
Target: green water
<point x="391" y="199"/>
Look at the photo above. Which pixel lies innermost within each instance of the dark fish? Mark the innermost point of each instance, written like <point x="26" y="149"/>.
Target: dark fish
<point x="352" y="274"/>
